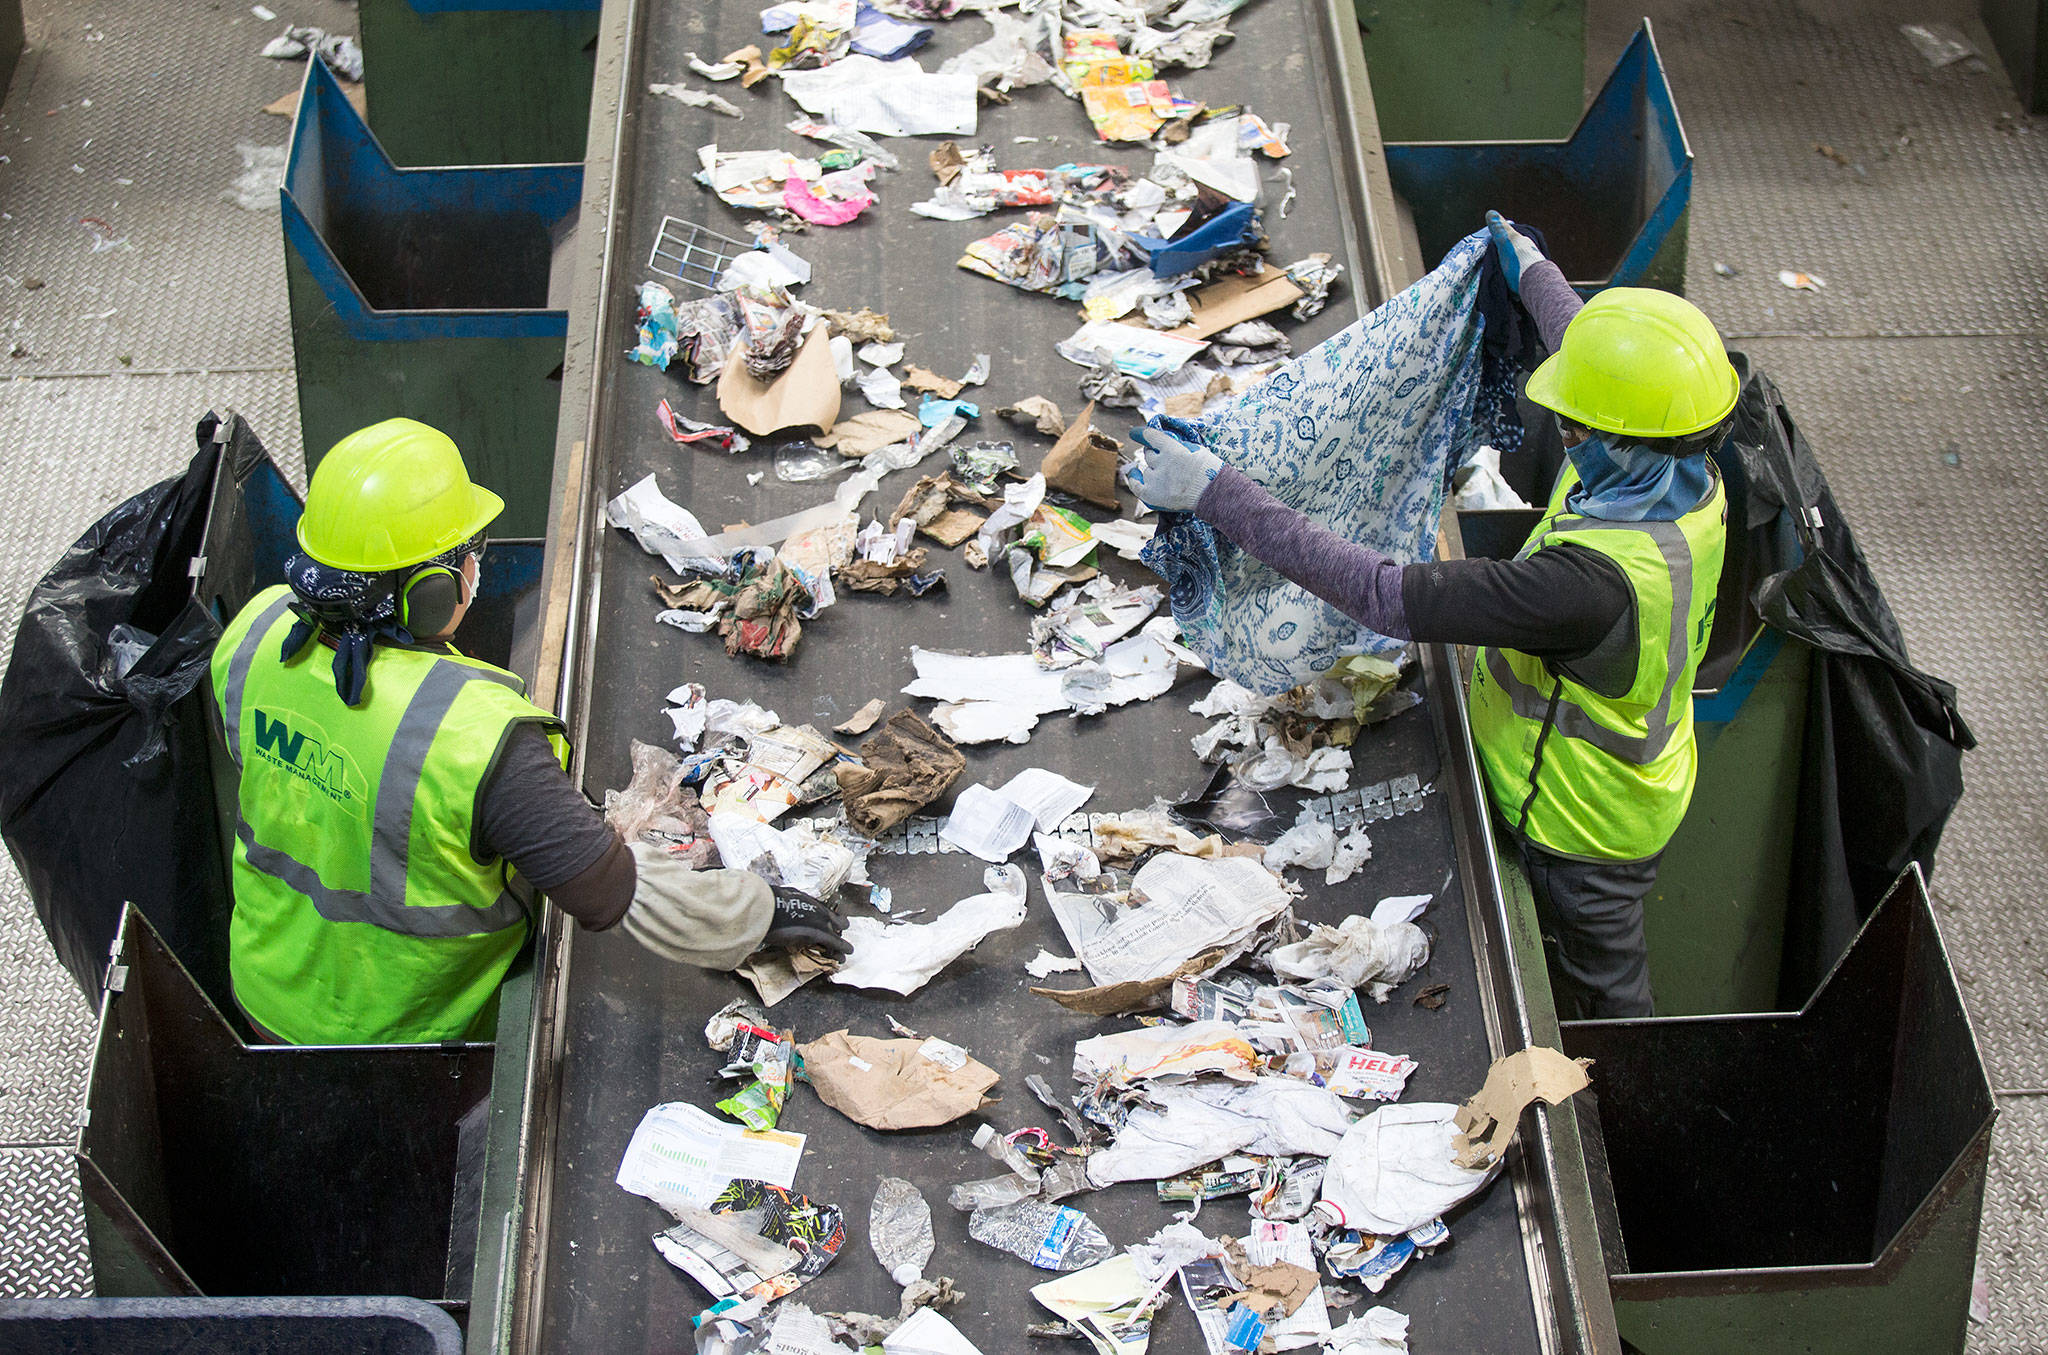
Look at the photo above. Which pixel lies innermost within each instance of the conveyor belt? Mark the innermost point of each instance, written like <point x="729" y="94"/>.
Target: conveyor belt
<point x="630" y="1028"/>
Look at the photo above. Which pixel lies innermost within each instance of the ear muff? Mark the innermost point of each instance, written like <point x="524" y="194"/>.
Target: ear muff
<point x="429" y="599"/>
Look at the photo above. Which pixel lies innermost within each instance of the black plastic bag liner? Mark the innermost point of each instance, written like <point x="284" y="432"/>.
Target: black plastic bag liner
<point x="1882" y="765"/>
<point x="106" y="790"/>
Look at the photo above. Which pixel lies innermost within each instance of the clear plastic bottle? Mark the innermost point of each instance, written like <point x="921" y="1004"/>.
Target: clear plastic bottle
<point x="1049" y="1236"/>
<point x="1005" y="1152"/>
<point x="969" y="1196"/>
<point x="900" y="1230"/>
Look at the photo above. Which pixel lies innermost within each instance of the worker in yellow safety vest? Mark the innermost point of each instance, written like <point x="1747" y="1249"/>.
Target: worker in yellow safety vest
<point x="398" y="803"/>
<point x="1588" y="639"/>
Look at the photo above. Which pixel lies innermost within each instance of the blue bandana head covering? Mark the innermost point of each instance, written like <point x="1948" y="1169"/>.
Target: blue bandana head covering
<point x="353" y="609"/>
<point x="1635" y="482"/>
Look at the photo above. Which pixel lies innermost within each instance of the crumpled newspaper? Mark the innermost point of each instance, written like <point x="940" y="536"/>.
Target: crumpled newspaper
<point x="1374" y="952"/>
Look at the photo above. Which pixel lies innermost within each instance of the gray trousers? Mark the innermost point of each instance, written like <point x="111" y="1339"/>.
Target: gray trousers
<point x="1591" y="916"/>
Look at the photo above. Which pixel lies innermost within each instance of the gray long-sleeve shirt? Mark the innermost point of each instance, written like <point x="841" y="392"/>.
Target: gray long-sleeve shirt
<point x="1555" y="604"/>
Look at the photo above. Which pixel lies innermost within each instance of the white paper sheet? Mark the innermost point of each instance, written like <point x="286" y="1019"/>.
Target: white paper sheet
<point x="925" y="1332"/>
<point x="1192" y="905"/>
<point x="902" y="957"/>
<point x="1131" y="349"/>
<point x="679" y="1153"/>
<point x="891" y="98"/>
<point x="987" y="824"/>
<point x="661" y="526"/>
<point x="776" y="530"/>
<point x="1048" y="796"/>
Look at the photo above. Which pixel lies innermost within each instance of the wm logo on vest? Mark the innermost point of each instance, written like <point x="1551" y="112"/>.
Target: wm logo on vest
<point x="304" y="756"/>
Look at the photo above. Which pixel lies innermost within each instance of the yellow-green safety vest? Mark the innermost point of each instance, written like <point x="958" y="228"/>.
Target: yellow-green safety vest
<point x="1594" y="759"/>
<point x="366" y="909"/>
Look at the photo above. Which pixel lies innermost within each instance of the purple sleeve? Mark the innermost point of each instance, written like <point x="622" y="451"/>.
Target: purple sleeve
<point x="1550" y="301"/>
<point x="1357" y="580"/>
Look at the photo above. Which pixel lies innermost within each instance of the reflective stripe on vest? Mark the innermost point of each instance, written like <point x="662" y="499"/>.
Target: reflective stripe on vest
<point x="384" y="903"/>
<point x="1531" y="704"/>
<point x="1604" y="773"/>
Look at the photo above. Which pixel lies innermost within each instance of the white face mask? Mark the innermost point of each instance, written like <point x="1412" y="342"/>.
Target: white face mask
<point x="473" y="574"/>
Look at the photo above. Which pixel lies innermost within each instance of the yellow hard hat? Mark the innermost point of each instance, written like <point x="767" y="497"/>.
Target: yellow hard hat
<point x="392" y="495"/>
<point x="1640" y="363"/>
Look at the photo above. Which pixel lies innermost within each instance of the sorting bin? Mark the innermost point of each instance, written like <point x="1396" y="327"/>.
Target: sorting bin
<point x="1460" y="70"/>
<point x="1806" y="1180"/>
<point x="212" y="1167"/>
<point x="479" y="82"/>
<point x="426" y="293"/>
<point x="297" y="1326"/>
<point x="1611" y="199"/>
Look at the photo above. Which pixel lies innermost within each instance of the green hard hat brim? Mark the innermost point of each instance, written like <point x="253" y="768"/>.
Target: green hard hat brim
<point x="485" y="506"/>
<point x="1546" y="388"/>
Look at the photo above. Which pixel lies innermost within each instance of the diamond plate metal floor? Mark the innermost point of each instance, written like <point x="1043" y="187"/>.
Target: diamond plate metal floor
<point x="119" y="352"/>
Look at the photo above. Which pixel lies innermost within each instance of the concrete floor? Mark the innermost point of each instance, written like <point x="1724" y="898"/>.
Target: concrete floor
<point x="1918" y="374"/>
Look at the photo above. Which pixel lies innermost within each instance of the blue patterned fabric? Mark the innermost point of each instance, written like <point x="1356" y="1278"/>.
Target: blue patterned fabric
<point x="1359" y="433"/>
<point x="1628" y="482"/>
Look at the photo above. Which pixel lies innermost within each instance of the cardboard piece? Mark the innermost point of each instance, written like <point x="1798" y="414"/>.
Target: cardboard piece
<point x="805" y="395"/>
<point x="1235" y="298"/>
<point x="862" y="720"/>
<point x="1486" y="1123"/>
<point x="1277" y="1289"/>
<point x="896" y="1084"/>
<point x="1084" y="461"/>
<point x="947" y="162"/>
<point x="877" y="428"/>
<point x="750" y="57"/>
<point x="1135" y="995"/>
<point x="930" y="502"/>
<point x="953" y="526"/>
<point x="919" y="379"/>
<point x="1037" y="411"/>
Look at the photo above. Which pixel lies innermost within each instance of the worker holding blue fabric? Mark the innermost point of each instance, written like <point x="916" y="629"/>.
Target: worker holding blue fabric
<point x="398" y="802"/>
<point x="1588" y="639"/>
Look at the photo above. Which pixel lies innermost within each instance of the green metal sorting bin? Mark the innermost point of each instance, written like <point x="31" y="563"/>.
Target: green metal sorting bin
<point x="425" y="292"/>
<point x="480" y="82"/>
<point x="1808" y="1180"/>
<point x="213" y="1167"/>
<point x="1611" y="199"/>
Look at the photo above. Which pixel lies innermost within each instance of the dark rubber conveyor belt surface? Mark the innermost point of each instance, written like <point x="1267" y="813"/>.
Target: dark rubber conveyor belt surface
<point x="633" y="1026"/>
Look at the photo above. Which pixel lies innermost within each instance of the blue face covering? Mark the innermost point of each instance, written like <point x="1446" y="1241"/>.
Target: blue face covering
<point x="1628" y="482"/>
<point x="352" y="609"/>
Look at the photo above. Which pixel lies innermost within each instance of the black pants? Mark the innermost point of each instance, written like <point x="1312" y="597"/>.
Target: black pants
<point x="1591" y="916"/>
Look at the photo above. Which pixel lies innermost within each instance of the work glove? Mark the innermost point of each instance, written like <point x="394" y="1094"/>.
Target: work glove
<point x="803" y="923"/>
<point x="711" y="918"/>
<point x="1516" y="250"/>
<point x="1171" y="474"/>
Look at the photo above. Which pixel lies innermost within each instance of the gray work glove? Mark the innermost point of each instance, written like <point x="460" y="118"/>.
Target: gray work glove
<point x="1171" y="474"/>
<point x="712" y="918"/>
<point x="803" y="923"/>
<point x="1516" y="250"/>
